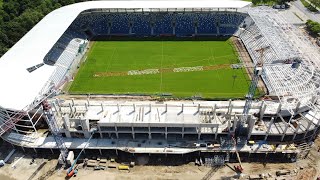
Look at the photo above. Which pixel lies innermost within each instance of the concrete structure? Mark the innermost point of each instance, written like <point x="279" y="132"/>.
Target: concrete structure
<point x="168" y="127"/>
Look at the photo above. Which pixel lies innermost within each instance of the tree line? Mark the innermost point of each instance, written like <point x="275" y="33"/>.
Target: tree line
<point x="315" y="2"/>
<point x="17" y="17"/>
<point x="313" y="27"/>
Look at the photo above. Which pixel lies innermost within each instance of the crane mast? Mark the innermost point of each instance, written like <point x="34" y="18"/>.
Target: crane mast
<point x="54" y="128"/>
<point x="253" y="85"/>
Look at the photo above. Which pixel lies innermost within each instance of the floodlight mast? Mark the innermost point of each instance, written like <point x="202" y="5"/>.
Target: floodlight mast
<point x="253" y="86"/>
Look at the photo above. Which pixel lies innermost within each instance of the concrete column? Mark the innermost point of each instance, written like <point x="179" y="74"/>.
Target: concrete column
<point x="132" y="131"/>
<point x="308" y="127"/>
<point x="99" y="129"/>
<point x="229" y="107"/>
<point x="86" y="106"/>
<point x="67" y="126"/>
<point x="314" y="99"/>
<point x="296" y="131"/>
<point x="198" y="108"/>
<point x="214" y="110"/>
<point x="142" y="114"/>
<point x="235" y="122"/>
<point x="182" y="131"/>
<point x="229" y="124"/>
<point x="134" y="108"/>
<point x="251" y="124"/>
<point x="297" y="107"/>
<point x="216" y="133"/>
<point x="71" y="110"/>
<point x="262" y="104"/>
<point x="55" y="108"/>
<point x="58" y="104"/>
<point x="72" y="101"/>
<point x="279" y="108"/>
<point x="85" y="127"/>
<point x="149" y="132"/>
<point x="166" y="132"/>
<point x="67" y="133"/>
<point x="271" y="122"/>
<point x="88" y="102"/>
<point x="262" y="111"/>
<point x="285" y="131"/>
<point x="66" y="121"/>
<point x="316" y="113"/>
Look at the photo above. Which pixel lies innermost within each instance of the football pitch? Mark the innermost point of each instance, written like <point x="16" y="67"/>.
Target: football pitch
<point x="178" y="68"/>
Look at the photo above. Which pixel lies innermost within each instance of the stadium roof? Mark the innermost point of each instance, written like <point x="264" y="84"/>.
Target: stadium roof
<point x="19" y="88"/>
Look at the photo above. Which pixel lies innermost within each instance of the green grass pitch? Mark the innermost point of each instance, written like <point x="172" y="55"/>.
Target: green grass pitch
<point x="123" y="56"/>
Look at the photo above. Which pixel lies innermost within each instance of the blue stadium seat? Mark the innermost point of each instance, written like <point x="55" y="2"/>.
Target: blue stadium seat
<point x="184" y="24"/>
<point x="206" y="24"/>
<point x="162" y="24"/>
<point x="141" y="24"/>
<point x="119" y="24"/>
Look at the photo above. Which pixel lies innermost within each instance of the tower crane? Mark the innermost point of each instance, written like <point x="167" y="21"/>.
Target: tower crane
<point x="55" y="130"/>
<point x="254" y="82"/>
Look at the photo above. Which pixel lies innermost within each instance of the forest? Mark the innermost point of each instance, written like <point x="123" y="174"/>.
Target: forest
<point x="17" y="17"/>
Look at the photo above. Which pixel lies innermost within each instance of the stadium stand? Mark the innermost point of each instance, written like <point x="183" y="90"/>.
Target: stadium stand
<point x="62" y="55"/>
<point x="156" y="24"/>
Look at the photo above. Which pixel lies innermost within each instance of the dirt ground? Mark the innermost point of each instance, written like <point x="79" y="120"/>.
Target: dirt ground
<point x="19" y="168"/>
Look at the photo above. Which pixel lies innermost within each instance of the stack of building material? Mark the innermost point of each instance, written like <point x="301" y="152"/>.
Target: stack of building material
<point x="92" y="163"/>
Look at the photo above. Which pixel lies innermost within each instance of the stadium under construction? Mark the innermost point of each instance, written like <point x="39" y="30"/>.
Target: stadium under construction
<point x="37" y="114"/>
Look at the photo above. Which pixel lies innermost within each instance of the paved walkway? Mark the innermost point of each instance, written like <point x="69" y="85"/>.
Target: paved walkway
<point x="311" y="15"/>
